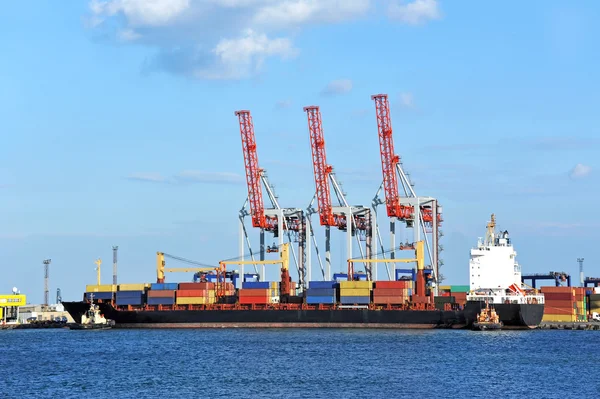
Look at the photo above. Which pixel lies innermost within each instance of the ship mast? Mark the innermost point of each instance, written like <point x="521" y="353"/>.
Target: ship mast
<point x="491" y="228"/>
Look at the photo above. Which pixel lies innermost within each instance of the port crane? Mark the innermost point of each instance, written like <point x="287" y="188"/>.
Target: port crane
<point x="558" y="277"/>
<point x="423" y="214"/>
<point x="161" y="269"/>
<point x="275" y="220"/>
<point x="354" y="220"/>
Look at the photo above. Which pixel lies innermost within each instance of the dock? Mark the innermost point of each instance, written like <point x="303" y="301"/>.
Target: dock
<point x="545" y="325"/>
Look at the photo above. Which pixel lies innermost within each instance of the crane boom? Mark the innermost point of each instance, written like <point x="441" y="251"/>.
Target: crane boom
<point x="253" y="171"/>
<point x="321" y="169"/>
<point x="389" y="160"/>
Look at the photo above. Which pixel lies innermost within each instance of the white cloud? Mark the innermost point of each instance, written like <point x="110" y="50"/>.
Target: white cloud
<point x="241" y="57"/>
<point x="580" y="171"/>
<point x="406" y="99"/>
<point x="415" y="12"/>
<point x="228" y="39"/>
<point x="341" y="86"/>
<point x="141" y="12"/>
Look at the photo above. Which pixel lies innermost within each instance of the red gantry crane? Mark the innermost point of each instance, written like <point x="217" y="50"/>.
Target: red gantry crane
<point x="275" y="220"/>
<point x="402" y="207"/>
<point x="355" y="220"/>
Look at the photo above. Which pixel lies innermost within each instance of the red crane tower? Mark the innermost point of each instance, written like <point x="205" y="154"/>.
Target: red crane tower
<point x="275" y="220"/>
<point x="330" y="216"/>
<point x="402" y="207"/>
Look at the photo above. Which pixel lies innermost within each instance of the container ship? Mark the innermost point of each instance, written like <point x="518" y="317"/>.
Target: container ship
<point x="214" y="301"/>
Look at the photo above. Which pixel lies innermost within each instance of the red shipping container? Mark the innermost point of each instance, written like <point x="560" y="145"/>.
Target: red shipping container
<point x="161" y="294"/>
<point x="420" y="299"/>
<point x="192" y="293"/>
<point x="254" y="299"/>
<point x="558" y="296"/>
<point x="556" y="289"/>
<point x="192" y="286"/>
<point x="254" y="292"/>
<point x="393" y="284"/>
<point x="393" y="300"/>
<point x="389" y="291"/>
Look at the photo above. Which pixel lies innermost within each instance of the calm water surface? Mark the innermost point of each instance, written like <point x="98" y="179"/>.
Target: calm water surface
<point x="298" y="363"/>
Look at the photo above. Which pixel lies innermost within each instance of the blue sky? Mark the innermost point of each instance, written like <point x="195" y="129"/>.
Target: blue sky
<point x="118" y="125"/>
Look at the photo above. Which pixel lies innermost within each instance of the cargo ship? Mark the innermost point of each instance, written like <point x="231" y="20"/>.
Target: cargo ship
<point x="495" y="279"/>
<point x="214" y="301"/>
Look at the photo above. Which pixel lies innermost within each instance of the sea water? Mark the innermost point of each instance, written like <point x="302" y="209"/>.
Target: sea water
<point x="298" y="363"/>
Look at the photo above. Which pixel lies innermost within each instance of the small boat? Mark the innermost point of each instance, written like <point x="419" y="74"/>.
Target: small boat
<point x="487" y="319"/>
<point x="92" y="319"/>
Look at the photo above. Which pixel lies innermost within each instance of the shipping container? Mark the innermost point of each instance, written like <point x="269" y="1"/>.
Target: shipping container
<point x="459" y="288"/>
<point x="552" y="289"/>
<point x="254" y="300"/>
<point x="255" y="293"/>
<point x="161" y="301"/>
<point x="558" y="296"/>
<point x="164" y="286"/>
<point x="392" y="300"/>
<point x="311" y="300"/>
<point x="194" y="300"/>
<point x="256" y="285"/>
<point x="101" y="288"/>
<point x="351" y="300"/>
<point x="322" y="284"/>
<point x="129" y="294"/>
<point x="558" y="318"/>
<point x="131" y="287"/>
<point x="195" y="293"/>
<point x="355" y="292"/>
<point x="390" y="291"/>
<point x="356" y="284"/>
<point x="161" y="294"/>
<point x="121" y="301"/>
<point x="393" y="284"/>
<point x="321" y="292"/>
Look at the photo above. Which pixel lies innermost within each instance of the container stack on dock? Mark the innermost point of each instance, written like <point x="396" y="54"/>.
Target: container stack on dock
<point x="392" y="292"/>
<point x="104" y="292"/>
<point x="259" y="292"/>
<point x="355" y="292"/>
<point x="130" y="294"/>
<point x="564" y="304"/>
<point x="594" y="302"/>
<point x="321" y="292"/>
<point x="162" y="294"/>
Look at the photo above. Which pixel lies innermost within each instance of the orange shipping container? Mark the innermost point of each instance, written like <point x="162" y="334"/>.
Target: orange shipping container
<point x="194" y="293"/>
<point x="390" y="292"/>
<point x="254" y="299"/>
<point x="393" y="284"/>
<point x="244" y="293"/>
<point x="161" y="294"/>
<point x="393" y="300"/>
<point x="557" y="289"/>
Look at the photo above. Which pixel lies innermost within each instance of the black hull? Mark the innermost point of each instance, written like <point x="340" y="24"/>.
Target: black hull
<point x="275" y="318"/>
<point x="513" y="316"/>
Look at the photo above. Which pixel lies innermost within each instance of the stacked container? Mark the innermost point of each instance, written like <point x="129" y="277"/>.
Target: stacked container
<point x="595" y="303"/>
<point x="259" y="292"/>
<point x="321" y="292"/>
<point x="355" y="292"/>
<point x="560" y="304"/>
<point x="392" y="292"/>
<point x="580" y="305"/>
<point x="162" y="294"/>
<point x="195" y="294"/>
<point x="134" y="298"/>
<point x="104" y="292"/>
<point x="459" y="292"/>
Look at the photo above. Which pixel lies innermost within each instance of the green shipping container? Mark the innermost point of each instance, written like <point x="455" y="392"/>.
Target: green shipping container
<point x="460" y="288"/>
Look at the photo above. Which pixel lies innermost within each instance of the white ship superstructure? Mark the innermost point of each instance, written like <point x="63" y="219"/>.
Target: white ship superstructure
<point x="494" y="273"/>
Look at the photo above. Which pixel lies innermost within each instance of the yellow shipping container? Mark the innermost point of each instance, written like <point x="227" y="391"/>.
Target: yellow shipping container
<point x="274" y="285"/>
<point x="356" y="284"/>
<point x="101" y="288"/>
<point x="559" y="318"/>
<point x="445" y="287"/>
<point x="132" y="287"/>
<point x="355" y="292"/>
<point x="194" y="300"/>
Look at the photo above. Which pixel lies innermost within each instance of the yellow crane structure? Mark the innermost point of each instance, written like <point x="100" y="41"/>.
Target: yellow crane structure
<point x="161" y="269"/>
<point x="419" y="259"/>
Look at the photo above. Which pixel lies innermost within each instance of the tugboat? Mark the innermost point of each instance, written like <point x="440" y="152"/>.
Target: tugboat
<point x="487" y="319"/>
<point x="92" y="319"/>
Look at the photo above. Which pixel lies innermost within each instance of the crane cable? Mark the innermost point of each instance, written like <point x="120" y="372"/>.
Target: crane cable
<point x="191" y="262"/>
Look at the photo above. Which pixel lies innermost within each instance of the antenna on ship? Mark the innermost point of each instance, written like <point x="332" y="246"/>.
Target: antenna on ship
<point x="115" y="249"/>
<point x="491" y="227"/>
<point x="46" y="277"/>
<point x="581" y="279"/>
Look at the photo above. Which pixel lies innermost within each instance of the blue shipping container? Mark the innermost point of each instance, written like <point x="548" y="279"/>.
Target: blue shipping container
<point x="128" y="301"/>
<point x="164" y="286"/>
<point x="322" y="284"/>
<point x="99" y="295"/>
<point x="320" y="292"/>
<point x="161" y="301"/>
<point x="320" y="299"/>
<point x="265" y="285"/>
<point x="350" y="300"/>
<point x="129" y="294"/>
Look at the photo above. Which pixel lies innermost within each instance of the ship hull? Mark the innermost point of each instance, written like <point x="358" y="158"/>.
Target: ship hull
<point x="512" y="315"/>
<point x="339" y="318"/>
